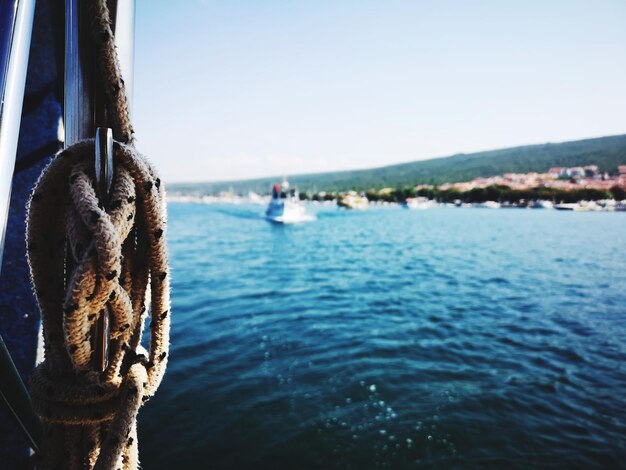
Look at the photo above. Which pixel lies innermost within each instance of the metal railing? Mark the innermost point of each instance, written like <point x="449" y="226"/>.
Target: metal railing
<point x="16" y="24"/>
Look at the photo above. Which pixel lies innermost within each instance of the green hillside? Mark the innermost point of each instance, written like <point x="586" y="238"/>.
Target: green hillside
<point x="606" y="152"/>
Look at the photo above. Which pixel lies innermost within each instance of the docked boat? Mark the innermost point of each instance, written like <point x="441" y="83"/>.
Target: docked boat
<point x="353" y="200"/>
<point x="570" y="206"/>
<point x="285" y="206"/>
<point x="489" y="205"/>
<point x="419" y="203"/>
<point x="541" y="204"/>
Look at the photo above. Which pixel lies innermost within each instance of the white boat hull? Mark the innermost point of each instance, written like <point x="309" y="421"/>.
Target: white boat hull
<point x="420" y="203"/>
<point x="489" y="205"/>
<point x="573" y="206"/>
<point x="287" y="212"/>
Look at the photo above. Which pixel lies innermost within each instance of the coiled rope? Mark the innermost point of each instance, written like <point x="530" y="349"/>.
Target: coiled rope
<point x="84" y="257"/>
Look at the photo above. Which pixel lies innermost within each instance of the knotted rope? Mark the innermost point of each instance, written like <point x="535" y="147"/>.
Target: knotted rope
<point x="85" y="258"/>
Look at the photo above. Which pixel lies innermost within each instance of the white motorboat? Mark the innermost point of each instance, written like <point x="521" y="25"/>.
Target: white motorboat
<point x="570" y="206"/>
<point x="489" y="205"/>
<point x="541" y="204"/>
<point x="352" y="200"/>
<point x="419" y="203"/>
<point x="285" y="206"/>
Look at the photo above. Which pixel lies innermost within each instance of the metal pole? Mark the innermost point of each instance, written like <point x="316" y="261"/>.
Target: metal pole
<point x="16" y="24"/>
<point x="104" y="180"/>
<point x="19" y="20"/>
<point x="83" y="107"/>
<point x="84" y="110"/>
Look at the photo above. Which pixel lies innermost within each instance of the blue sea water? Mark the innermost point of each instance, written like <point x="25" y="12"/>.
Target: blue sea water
<point x="393" y="339"/>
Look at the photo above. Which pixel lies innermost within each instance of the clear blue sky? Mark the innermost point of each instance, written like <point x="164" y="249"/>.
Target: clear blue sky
<point x="239" y="89"/>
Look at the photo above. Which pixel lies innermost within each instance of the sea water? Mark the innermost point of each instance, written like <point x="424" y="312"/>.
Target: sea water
<point x="393" y="339"/>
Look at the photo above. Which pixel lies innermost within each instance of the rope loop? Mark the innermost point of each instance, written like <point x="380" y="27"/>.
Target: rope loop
<point x="85" y="258"/>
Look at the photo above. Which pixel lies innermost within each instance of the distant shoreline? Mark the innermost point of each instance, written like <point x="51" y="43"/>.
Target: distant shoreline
<point x="607" y="205"/>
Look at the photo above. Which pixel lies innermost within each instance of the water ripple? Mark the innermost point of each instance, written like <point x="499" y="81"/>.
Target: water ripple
<point x="393" y="339"/>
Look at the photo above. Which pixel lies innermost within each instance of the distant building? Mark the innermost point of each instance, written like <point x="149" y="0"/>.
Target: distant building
<point x="564" y="178"/>
<point x="558" y="172"/>
<point x="591" y="171"/>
